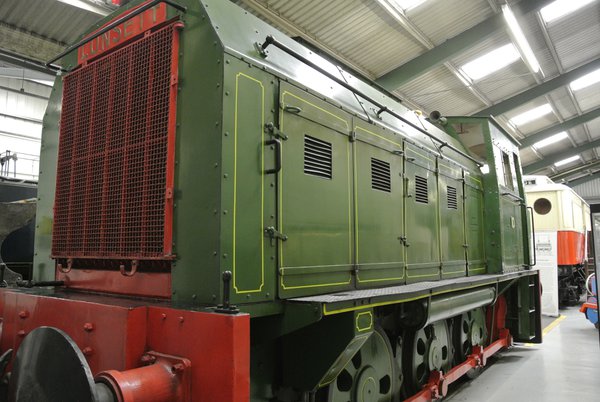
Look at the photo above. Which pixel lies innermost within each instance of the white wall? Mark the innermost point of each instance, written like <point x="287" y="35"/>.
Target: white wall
<point x="21" y="135"/>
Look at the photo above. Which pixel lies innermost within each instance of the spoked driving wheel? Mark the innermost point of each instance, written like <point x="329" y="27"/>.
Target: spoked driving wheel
<point x="425" y="350"/>
<point x="369" y="375"/>
<point x="469" y="331"/>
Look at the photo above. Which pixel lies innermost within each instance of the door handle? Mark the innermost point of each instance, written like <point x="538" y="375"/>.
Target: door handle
<point x="277" y="145"/>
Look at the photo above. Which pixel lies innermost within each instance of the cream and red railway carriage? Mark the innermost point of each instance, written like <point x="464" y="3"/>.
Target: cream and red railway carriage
<point x="557" y="208"/>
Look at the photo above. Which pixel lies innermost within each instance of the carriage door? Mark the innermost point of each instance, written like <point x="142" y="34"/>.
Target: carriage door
<point x="452" y="220"/>
<point x="314" y="196"/>
<point x="422" y="235"/>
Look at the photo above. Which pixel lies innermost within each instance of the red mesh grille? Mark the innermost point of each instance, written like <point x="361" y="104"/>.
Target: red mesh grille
<point x="113" y="159"/>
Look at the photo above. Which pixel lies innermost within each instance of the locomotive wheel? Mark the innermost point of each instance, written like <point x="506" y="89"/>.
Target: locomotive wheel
<point x="425" y="350"/>
<point x="469" y="330"/>
<point x="368" y="376"/>
<point x="399" y="372"/>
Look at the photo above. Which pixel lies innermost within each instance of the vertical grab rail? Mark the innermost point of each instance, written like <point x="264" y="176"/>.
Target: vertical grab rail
<point x="533" y="235"/>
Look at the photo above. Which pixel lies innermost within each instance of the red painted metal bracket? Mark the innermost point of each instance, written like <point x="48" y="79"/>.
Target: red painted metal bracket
<point x="437" y="387"/>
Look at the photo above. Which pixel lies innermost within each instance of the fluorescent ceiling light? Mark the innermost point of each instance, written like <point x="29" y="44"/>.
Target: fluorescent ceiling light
<point x="519" y="38"/>
<point x="491" y="62"/>
<point x="586" y="80"/>
<point x="568" y="160"/>
<point x="551" y="140"/>
<point x="88" y="6"/>
<point x="560" y="8"/>
<point x="531" y="115"/>
<point x="408" y="4"/>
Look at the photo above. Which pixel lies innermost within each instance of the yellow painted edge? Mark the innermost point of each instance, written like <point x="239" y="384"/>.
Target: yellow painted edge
<point x="376" y="135"/>
<point x="282" y="284"/>
<point x="359" y="329"/>
<point x="315" y="106"/>
<point x="386" y="303"/>
<point x="262" y="201"/>
<point x="421" y="155"/>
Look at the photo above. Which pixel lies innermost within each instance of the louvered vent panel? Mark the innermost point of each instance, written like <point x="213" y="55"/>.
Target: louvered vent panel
<point x="380" y="175"/>
<point x="317" y="157"/>
<point x="452" y="200"/>
<point x="421" y="190"/>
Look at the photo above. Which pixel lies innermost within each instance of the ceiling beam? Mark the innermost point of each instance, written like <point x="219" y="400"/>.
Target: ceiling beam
<point x="24" y="62"/>
<point x="584" y="179"/>
<point x="23" y="92"/>
<point x="565" y="125"/>
<point x="22" y="118"/>
<point x="552" y="159"/>
<point x="539" y="90"/>
<point x="25" y="74"/>
<point x="453" y="46"/>
<point x="564" y="176"/>
<point x="396" y="12"/>
<point x="27" y="44"/>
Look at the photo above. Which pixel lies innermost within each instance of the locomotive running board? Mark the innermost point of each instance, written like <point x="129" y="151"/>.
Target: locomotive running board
<point x="335" y="303"/>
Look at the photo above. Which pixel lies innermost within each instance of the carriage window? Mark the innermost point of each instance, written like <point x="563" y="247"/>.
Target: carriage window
<point x="542" y="206"/>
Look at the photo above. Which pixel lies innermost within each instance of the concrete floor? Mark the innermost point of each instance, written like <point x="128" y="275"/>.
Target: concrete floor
<point x="566" y="367"/>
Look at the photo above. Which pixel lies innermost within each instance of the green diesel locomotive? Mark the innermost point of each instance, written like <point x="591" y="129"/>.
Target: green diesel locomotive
<point x="225" y="211"/>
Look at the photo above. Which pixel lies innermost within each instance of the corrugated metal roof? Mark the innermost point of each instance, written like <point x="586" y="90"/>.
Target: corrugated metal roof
<point x="48" y="18"/>
<point x="365" y="36"/>
<point x="440" y="20"/>
<point x="589" y="191"/>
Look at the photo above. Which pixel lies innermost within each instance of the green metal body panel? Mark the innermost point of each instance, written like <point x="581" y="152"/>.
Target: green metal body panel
<point x="315" y="213"/>
<point x="475" y="226"/>
<point x="442" y="219"/>
<point x="452" y="221"/>
<point x="378" y="215"/>
<point x="506" y="226"/>
<point x="248" y="193"/>
<point x="422" y="218"/>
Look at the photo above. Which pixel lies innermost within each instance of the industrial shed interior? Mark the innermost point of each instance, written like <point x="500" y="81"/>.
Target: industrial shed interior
<point x="299" y="200"/>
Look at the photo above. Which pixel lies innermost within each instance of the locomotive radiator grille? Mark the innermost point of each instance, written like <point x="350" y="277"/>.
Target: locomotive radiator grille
<point x="115" y="158"/>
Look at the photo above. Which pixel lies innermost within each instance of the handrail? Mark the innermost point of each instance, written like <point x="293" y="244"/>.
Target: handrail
<point x="114" y="24"/>
<point x="533" y="233"/>
<point x="270" y="40"/>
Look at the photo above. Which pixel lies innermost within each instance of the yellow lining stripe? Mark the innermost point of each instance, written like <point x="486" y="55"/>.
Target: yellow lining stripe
<point x="262" y="185"/>
<point x="358" y="328"/>
<point x="356" y="231"/>
<point x="281" y="277"/>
